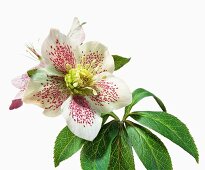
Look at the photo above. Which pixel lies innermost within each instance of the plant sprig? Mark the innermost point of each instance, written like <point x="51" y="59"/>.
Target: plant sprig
<point x="112" y="148"/>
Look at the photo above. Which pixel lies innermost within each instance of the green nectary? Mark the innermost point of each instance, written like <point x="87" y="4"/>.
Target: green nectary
<point x="80" y="81"/>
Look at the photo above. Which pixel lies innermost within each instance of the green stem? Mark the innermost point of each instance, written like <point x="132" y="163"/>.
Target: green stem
<point x="128" y="114"/>
<point x="128" y="122"/>
<point x="112" y="114"/>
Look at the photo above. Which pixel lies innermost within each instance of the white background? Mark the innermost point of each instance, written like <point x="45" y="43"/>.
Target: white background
<point x="166" y="40"/>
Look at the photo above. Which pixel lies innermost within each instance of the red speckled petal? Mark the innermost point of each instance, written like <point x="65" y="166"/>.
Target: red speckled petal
<point x="113" y="94"/>
<point x="81" y="119"/>
<point x="56" y="51"/>
<point x="48" y="92"/>
<point x="95" y="51"/>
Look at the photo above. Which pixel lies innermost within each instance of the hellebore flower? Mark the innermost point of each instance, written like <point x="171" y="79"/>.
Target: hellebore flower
<point x="76" y="35"/>
<point x="77" y="82"/>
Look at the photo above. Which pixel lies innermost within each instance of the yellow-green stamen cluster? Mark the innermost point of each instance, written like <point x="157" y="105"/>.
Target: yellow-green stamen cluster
<point x="80" y="81"/>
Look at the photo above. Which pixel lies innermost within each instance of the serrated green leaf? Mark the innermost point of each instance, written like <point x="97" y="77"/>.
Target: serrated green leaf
<point x="95" y="155"/>
<point x="66" y="145"/>
<point x="120" y="61"/>
<point x="170" y="127"/>
<point x="121" y="153"/>
<point x="149" y="148"/>
<point x="139" y="94"/>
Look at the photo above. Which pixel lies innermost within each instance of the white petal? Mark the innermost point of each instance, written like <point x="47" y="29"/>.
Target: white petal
<point x="113" y="94"/>
<point x="19" y="95"/>
<point x="52" y="113"/>
<point x="81" y="119"/>
<point x="21" y="81"/>
<point x="76" y="35"/>
<point x="48" y="92"/>
<point x="57" y="52"/>
<point x="97" y="54"/>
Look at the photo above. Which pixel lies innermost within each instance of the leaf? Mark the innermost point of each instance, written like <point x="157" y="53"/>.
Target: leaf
<point x="121" y="153"/>
<point x="95" y="155"/>
<point x="31" y="72"/>
<point x="149" y="148"/>
<point x="105" y="117"/>
<point x="170" y="127"/>
<point x="66" y="145"/>
<point x="139" y="94"/>
<point x="120" y="61"/>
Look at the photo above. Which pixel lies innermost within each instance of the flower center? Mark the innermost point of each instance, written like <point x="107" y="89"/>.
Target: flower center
<point x="80" y="81"/>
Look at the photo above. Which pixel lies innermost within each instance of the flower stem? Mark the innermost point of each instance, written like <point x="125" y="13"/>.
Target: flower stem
<point x="125" y="116"/>
<point x="128" y="114"/>
<point x="112" y="114"/>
